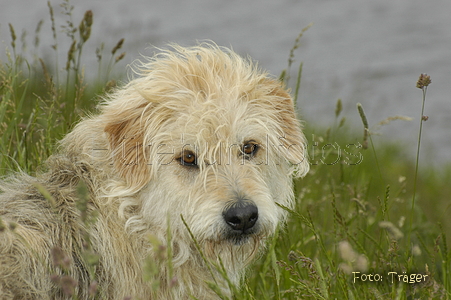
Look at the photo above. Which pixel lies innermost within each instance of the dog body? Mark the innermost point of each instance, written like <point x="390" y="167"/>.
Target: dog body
<point x="175" y="183"/>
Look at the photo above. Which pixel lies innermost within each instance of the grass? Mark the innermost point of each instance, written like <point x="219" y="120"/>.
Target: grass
<point x="364" y="207"/>
<point x="355" y="218"/>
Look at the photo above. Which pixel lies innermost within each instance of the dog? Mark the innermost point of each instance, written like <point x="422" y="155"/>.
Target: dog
<point x="169" y="192"/>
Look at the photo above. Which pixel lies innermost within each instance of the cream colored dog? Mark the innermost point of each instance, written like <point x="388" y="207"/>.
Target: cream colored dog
<point x="183" y="170"/>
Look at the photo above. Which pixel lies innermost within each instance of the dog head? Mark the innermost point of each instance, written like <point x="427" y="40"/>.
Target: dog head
<point x="206" y="135"/>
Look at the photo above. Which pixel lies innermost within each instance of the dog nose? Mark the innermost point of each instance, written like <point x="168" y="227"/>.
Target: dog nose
<point x="241" y="217"/>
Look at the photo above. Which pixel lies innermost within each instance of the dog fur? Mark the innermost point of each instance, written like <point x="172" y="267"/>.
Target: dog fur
<point x="182" y="168"/>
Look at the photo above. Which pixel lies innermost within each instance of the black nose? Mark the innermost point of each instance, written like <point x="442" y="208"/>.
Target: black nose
<point x="241" y="216"/>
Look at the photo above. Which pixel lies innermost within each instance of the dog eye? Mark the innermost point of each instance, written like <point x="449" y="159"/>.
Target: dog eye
<point x="188" y="158"/>
<point x="249" y="149"/>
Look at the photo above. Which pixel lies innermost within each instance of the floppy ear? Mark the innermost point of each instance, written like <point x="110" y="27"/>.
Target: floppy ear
<point x="125" y="130"/>
<point x="292" y="139"/>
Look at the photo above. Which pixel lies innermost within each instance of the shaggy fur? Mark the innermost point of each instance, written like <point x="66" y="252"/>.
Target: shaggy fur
<point x="182" y="169"/>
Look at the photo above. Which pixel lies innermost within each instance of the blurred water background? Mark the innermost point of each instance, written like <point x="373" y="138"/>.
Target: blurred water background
<point x="370" y="52"/>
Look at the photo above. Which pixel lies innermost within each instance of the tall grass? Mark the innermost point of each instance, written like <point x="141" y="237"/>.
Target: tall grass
<point x="352" y="213"/>
<point x="355" y="218"/>
<point x="39" y="101"/>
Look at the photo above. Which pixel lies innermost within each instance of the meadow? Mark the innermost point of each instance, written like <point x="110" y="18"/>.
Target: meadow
<point x="370" y="223"/>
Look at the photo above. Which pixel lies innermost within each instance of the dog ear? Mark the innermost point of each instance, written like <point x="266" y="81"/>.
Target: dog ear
<point x="292" y="140"/>
<point x="125" y="131"/>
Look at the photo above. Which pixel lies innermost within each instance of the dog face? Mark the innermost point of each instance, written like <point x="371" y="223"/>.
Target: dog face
<point x="205" y="135"/>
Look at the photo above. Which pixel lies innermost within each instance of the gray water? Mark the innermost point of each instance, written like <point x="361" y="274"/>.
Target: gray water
<point x="370" y="52"/>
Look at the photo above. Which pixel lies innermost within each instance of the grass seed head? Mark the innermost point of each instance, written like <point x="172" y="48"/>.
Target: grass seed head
<point x="60" y="258"/>
<point x="13" y="35"/>
<point x="392" y="230"/>
<point x="70" y="54"/>
<point x="423" y="81"/>
<point x="85" y="26"/>
<point x="118" y="46"/>
<point x="67" y="284"/>
<point x="338" y="108"/>
<point x="120" y="57"/>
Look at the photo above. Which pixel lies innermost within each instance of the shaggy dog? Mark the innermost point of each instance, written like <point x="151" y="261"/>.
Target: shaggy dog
<point x="171" y="189"/>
